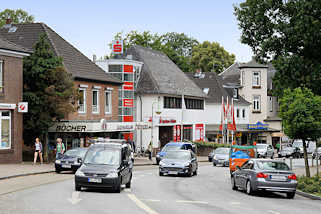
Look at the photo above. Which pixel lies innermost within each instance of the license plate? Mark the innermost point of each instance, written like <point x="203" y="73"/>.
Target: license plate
<point x="278" y="178"/>
<point x="172" y="173"/>
<point x="94" y="180"/>
<point x="66" y="166"/>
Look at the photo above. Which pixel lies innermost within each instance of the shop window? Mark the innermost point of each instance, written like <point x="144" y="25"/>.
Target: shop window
<point x="172" y="102"/>
<point x="1" y="76"/>
<point x="5" y="130"/>
<point x="188" y="132"/>
<point x="256" y="103"/>
<point x="256" y="79"/>
<point x="82" y="101"/>
<point x="95" y="101"/>
<point x="108" y="102"/>
<point x="194" y="103"/>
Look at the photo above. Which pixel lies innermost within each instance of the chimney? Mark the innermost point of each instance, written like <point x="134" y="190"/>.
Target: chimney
<point x="8" y="23"/>
<point x="94" y="58"/>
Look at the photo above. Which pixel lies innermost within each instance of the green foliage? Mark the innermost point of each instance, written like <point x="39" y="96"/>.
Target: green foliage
<point x="201" y="144"/>
<point x="310" y="185"/>
<point x="48" y="89"/>
<point x="16" y="16"/>
<point x="287" y="33"/>
<point x="211" y="57"/>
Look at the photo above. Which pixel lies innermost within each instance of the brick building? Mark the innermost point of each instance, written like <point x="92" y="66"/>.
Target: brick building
<point x="11" y="82"/>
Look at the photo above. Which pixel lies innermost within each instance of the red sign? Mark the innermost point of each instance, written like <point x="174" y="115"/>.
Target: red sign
<point x="128" y="69"/>
<point x="117" y="47"/>
<point x="128" y="86"/>
<point x="128" y="102"/>
<point x="177" y="133"/>
<point x="166" y="120"/>
<point x="199" y="132"/>
<point x="128" y="118"/>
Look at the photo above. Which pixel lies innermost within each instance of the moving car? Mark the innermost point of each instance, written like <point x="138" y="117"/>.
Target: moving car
<point x="106" y="165"/>
<point x="318" y="152"/>
<point x="221" y="156"/>
<point x="210" y="156"/>
<point x="172" y="146"/>
<point x="265" y="150"/>
<point x="286" y="152"/>
<point x="268" y="175"/>
<point x="70" y="160"/>
<point x="239" y="154"/>
<point x="180" y="162"/>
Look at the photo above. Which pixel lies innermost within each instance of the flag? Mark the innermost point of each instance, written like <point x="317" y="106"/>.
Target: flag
<point x="222" y="114"/>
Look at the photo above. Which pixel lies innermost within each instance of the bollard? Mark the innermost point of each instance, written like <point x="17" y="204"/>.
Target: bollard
<point x="291" y="163"/>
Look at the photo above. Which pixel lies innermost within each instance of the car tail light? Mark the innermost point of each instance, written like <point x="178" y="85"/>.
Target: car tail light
<point x="261" y="175"/>
<point x="292" y="177"/>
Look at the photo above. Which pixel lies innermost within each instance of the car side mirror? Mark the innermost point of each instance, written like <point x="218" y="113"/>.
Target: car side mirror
<point x="238" y="167"/>
<point x="79" y="160"/>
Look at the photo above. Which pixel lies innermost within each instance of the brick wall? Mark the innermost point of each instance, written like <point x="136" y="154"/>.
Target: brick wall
<point x="94" y="116"/>
<point x="12" y="93"/>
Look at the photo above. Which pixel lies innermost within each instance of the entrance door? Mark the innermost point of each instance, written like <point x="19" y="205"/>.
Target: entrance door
<point x="165" y="134"/>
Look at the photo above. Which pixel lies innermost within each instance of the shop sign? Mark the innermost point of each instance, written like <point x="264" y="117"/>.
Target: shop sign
<point x="117" y="47"/>
<point x="7" y="106"/>
<point x="71" y="128"/>
<point x="128" y="102"/>
<point x="128" y="86"/>
<point x="258" y="126"/>
<point x="128" y="69"/>
<point x="162" y="121"/>
<point x="199" y="132"/>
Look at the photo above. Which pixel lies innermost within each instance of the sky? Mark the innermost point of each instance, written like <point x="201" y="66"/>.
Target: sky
<point x="90" y="25"/>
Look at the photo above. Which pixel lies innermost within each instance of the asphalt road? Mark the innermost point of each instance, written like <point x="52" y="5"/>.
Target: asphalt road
<point x="208" y="192"/>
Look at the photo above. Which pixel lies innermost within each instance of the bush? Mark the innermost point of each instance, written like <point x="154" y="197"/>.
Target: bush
<point x="310" y="185"/>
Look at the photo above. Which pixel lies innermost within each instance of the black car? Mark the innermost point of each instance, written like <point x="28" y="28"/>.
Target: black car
<point x="106" y="165"/>
<point x="70" y="160"/>
<point x="180" y="162"/>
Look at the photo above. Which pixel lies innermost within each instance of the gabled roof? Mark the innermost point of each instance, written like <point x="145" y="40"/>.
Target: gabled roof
<point x="216" y="91"/>
<point x="10" y="46"/>
<point x="160" y="75"/>
<point x="82" y="68"/>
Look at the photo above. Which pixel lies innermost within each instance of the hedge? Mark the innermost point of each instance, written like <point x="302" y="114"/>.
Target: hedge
<point x="310" y="185"/>
<point x="202" y="144"/>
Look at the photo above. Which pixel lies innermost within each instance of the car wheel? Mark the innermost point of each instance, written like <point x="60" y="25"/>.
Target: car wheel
<point x="214" y="164"/>
<point x="161" y="174"/>
<point x="77" y="187"/>
<point x="234" y="187"/>
<point x="195" y="173"/>
<point x="58" y="170"/>
<point x="190" y="173"/>
<point x="290" y="195"/>
<point x="249" y="190"/>
<point x="118" y="187"/>
<point x="129" y="182"/>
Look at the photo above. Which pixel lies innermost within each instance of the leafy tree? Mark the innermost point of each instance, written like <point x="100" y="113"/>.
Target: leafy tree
<point x="287" y="33"/>
<point x="48" y="89"/>
<point x="210" y="56"/>
<point x="16" y="16"/>
<point x="300" y="110"/>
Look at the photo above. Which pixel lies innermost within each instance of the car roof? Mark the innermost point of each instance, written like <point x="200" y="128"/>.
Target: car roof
<point x="179" y="143"/>
<point x="266" y="160"/>
<point x="109" y="145"/>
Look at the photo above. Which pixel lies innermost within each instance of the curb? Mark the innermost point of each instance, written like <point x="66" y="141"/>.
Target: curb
<point x="308" y="195"/>
<point x="25" y="174"/>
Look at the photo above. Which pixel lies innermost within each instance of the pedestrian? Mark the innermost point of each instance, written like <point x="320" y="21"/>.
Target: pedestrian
<point x="128" y="142"/>
<point x="278" y="147"/>
<point x="60" y="148"/>
<point x="150" y="149"/>
<point x="38" y="151"/>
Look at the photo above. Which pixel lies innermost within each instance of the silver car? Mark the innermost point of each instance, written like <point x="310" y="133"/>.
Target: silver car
<point x="268" y="175"/>
<point x="221" y="156"/>
<point x="265" y="150"/>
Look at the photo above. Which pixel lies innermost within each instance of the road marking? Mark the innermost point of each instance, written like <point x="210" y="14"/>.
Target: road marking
<point x="127" y="190"/>
<point x="140" y="204"/>
<point x="74" y="198"/>
<point x="274" y="212"/>
<point x="152" y="200"/>
<point x="192" y="202"/>
<point x="235" y="203"/>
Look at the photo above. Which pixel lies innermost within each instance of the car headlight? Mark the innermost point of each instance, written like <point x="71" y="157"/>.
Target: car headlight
<point x="162" y="164"/>
<point x="80" y="173"/>
<point x="58" y="161"/>
<point x="112" y="175"/>
<point x="187" y="164"/>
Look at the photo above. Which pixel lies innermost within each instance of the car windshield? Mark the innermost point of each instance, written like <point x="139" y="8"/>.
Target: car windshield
<point x="178" y="155"/>
<point x="76" y="152"/>
<point x="272" y="165"/>
<point x="171" y="148"/>
<point x="297" y="144"/>
<point x="222" y="151"/>
<point x="102" y="156"/>
<point x="261" y="146"/>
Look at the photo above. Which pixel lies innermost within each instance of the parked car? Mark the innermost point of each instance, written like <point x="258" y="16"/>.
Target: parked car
<point x="172" y="146"/>
<point x="178" y="162"/>
<point x="318" y="152"/>
<point x="221" y="157"/>
<point x="265" y="150"/>
<point x="286" y="152"/>
<point x="268" y="175"/>
<point x="70" y="160"/>
<point x="298" y="144"/>
<point x="106" y="165"/>
<point x="210" y="156"/>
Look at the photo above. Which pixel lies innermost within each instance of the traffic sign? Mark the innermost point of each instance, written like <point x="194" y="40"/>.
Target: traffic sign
<point x="23" y="107"/>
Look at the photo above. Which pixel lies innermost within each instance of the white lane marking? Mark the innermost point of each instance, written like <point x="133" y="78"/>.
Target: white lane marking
<point x="127" y="190"/>
<point x="74" y="198"/>
<point x="152" y="200"/>
<point x="235" y="203"/>
<point x="140" y="204"/>
<point x="274" y="212"/>
<point x="192" y="202"/>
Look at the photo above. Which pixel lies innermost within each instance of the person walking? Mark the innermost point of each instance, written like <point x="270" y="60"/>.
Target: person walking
<point x="150" y="149"/>
<point x="38" y="151"/>
<point x="60" y="148"/>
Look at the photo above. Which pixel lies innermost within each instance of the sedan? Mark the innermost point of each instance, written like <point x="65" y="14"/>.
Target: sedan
<point x="286" y="152"/>
<point x="178" y="163"/>
<point x="268" y="175"/>
<point x="71" y="160"/>
<point x="221" y="156"/>
<point x="210" y="155"/>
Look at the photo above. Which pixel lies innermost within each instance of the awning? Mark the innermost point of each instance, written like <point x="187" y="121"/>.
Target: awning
<point x="277" y="134"/>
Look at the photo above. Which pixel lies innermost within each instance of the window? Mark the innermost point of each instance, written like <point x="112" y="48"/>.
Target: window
<point x="108" y="102"/>
<point x="235" y="93"/>
<point x="128" y="94"/>
<point x="242" y="78"/>
<point x="256" y="79"/>
<point x="243" y="113"/>
<point x="82" y="101"/>
<point x="256" y="103"/>
<point x="237" y="113"/>
<point x="271" y="103"/>
<point x="95" y="104"/>
<point x="206" y="90"/>
<point x="129" y="77"/>
<point x="172" y="102"/>
<point x="115" y="68"/>
<point x="1" y="76"/>
<point x="5" y="130"/>
<point x="194" y="103"/>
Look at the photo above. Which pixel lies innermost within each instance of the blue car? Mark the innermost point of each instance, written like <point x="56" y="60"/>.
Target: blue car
<point x="172" y="146"/>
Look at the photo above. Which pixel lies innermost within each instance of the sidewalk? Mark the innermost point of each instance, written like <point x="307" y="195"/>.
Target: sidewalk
<point x="27" y="168"/>
<point x="301" y="171"/>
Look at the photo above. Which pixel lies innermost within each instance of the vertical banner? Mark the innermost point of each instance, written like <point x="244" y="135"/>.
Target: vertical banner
<point x="177" y="133"/>
<point x="199" y="132"/>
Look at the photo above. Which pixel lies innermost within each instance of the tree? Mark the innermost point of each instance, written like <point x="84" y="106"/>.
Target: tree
<point x="16" y="16"/>
<point x="300" y="110"/>
<point x="48" y="89"/>
<point x="287" y="33"/>
<point x="210" y="56"/>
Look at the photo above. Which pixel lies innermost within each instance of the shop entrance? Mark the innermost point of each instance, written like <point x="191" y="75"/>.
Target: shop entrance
<point x="165" y="135"/>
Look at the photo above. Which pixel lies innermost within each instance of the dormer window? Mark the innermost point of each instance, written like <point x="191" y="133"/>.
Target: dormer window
<point x="206" y="90"/>
<point x="256" y="79"/>
<point x="235" y="93"/>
